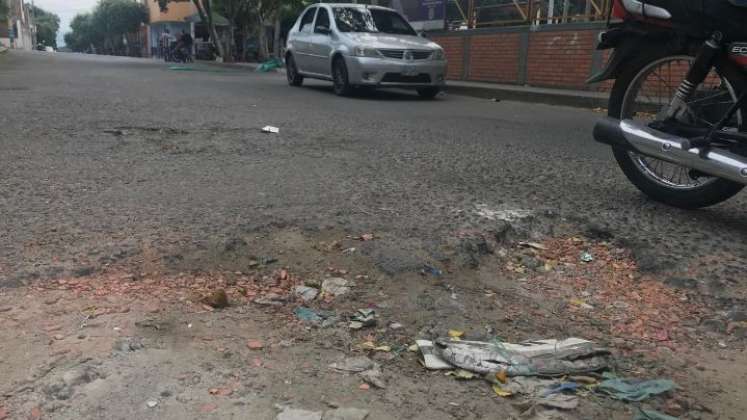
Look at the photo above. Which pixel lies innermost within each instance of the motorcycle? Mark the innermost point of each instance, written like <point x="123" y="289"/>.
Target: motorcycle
<point x="178" y="53"/>
<point x="677" y="108"/>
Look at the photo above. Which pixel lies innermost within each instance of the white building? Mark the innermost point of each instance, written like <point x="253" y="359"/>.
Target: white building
<point x="17" y="31"/>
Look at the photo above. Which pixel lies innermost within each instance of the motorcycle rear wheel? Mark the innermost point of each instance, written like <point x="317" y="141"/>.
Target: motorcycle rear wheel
<point x="643" y="93"/>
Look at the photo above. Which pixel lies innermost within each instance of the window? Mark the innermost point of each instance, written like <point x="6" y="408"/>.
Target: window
<point x="391" y="23"/>
<point x="360" y="19"/>
<point x="322" y="20"/>
<point x="307" y="20"/>
<point x="353" y="19"/>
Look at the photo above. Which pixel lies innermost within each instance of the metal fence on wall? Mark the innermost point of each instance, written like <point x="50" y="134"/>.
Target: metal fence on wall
<point x="471" y="14"/>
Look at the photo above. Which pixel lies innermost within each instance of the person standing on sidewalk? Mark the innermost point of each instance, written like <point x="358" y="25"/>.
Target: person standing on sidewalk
<point x="166" y="40"/>
<point x="187" y="42"/>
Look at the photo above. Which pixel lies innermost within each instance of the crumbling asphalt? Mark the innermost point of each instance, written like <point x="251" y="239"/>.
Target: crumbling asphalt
<point x="134" y="177"/>
<point x="103" y="157"/>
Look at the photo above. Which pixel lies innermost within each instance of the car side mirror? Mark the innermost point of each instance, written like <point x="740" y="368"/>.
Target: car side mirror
<point x="323" y="30"/>
<point x="422" y="34"/>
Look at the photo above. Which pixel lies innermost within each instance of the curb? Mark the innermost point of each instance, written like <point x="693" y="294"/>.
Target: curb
<point x="549" y="96"/>
<point x="578" y="99"/>
<point x="240" y="66"/>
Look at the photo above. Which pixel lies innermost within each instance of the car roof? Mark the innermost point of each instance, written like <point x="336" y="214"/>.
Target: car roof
<point x="356" y="5"/>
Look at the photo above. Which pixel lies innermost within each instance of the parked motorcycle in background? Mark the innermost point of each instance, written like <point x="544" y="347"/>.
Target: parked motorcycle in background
<point x="677" y="107"/>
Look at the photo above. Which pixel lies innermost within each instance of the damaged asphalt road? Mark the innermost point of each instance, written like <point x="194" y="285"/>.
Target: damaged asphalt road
<point x="118" y="174"/>
<point x="103" y="157"/>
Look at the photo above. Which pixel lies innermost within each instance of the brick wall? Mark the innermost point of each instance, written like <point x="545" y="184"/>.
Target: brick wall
<point x="550" y="56"/>
<point x="454" y="49"/>
<point x="560" y="59"/>
<point x="494" y="58"/>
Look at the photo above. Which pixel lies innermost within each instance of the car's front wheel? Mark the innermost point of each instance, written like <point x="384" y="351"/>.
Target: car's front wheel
<point x="429" y="92"/>
<point x="291" y="71"/>
<point x="340" y="78"/>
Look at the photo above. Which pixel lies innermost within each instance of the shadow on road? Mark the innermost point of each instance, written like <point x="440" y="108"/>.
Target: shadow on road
<point x="375" y="94"/>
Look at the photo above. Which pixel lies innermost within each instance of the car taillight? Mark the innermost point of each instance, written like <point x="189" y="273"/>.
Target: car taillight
<point x="618" y="10"/>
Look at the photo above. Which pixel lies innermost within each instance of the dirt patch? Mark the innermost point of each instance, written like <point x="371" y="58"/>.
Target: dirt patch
<point x="143" y="341"/>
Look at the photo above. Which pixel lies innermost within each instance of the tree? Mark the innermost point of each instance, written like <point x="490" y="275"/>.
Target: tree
<point x="206" y="16"/>
<point x="4" y="9"/>
<point x="83" y="37"/>
<point x="115" y="19"/>
<point x="259" y="15"/>
<point x="105" y="29"/>
<point x="272" y="13"/>
<point x="47" y="25"/>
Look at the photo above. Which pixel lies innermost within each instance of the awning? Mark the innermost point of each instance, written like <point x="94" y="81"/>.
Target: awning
<point x="218" y="20"/>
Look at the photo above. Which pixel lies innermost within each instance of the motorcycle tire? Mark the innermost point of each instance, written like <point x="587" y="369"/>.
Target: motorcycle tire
<point x="705" y="195"/>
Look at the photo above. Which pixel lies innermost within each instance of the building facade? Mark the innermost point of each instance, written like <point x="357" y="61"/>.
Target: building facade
<point x="18" y="30"/>
<point x="175" y="19"/>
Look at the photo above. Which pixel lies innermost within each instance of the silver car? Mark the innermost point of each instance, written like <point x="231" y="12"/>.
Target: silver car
<point x="357" y="45"/>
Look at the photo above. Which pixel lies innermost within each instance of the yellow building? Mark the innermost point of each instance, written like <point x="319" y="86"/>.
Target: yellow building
<point x="177" y="11"/>
<point x="180" y="16"/>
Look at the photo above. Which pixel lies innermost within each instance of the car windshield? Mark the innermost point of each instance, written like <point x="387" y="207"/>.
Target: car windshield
<point x="359" y="19"/>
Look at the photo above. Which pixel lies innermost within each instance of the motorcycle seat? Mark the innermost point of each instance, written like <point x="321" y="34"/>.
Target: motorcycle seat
<point x="738" y="3"/>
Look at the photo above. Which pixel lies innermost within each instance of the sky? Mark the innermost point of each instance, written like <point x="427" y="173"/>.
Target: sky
<point x="66" y="10"/>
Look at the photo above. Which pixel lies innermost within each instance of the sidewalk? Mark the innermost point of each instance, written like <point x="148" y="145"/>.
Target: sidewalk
<point x="503" y="92"/>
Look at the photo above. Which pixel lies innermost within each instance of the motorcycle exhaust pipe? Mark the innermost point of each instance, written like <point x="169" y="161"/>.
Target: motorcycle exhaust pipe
<point x="639" y="138"/>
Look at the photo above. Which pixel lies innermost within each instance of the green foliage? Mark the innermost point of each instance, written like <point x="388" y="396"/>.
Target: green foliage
<point x="4" y="9"/>
<point x="47" y="25"/>
<point x="104" y="28"/>
<point x="118" y="17"/>
<point x="83" y="35"/>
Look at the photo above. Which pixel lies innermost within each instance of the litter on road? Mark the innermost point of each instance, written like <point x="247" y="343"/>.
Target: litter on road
<point x="430" y="358"/>
<point x="269" y="65"/>
<point x="533" y="245"/>
<point x="306" y="293"/>
<point x="542" y="357"/>
<point x="363" y="318"/>
<point x="461" y="374"/>
<point x="429" y="269"/>
<point x="634" y="389"/>
<point x="322" y="319"/>
<point x="335" y="286"/>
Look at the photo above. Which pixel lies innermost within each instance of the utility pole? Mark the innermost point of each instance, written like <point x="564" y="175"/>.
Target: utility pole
<point x="32" y="25"/>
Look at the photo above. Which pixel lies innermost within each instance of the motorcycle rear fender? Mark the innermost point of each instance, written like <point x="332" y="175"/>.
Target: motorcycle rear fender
<point x="629" y="42"/>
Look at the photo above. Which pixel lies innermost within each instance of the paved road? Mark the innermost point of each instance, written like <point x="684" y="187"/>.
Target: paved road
<point x="102" y="155"/>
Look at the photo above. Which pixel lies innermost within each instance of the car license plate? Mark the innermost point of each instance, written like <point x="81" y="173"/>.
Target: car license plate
<point x="409" y="71"/>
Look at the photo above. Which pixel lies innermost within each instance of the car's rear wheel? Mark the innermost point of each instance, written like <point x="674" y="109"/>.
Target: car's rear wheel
<point x="291" y="71"/>
<point x="429" y="92"/>
<point x="340" y="78"/>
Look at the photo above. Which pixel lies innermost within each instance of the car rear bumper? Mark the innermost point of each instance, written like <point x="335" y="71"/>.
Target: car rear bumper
<point x="368" y="71"/>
